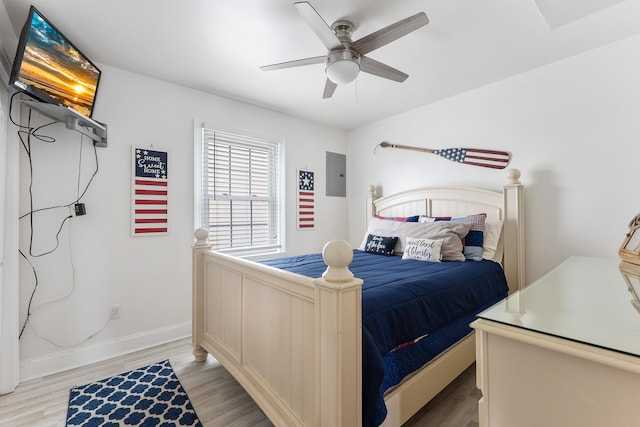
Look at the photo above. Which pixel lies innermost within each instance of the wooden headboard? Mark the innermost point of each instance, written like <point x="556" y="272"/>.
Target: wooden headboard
<point x="505" y="206"/>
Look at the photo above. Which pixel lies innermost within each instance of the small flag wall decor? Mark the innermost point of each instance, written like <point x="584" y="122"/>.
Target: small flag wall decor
<point x="306" y="200"/>
<point x="149" y="192"/>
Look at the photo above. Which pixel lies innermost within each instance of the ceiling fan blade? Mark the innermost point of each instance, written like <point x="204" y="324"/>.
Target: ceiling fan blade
<point x="329" y="88"/>
<point x="390" y="33"/>
<point x="318" y="25"/>
<point x="379" y="69"/>
<point x="296" y="63"/>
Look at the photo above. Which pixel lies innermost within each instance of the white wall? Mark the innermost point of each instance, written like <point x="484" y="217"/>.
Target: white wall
<point x="572" y="128"/>
<point x="148" y="277"/>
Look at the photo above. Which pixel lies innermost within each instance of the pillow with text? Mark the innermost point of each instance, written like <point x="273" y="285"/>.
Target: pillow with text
<point x="422" y="249"/>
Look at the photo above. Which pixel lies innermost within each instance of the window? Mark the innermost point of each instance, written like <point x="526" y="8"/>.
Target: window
<point x="239" y="200"/>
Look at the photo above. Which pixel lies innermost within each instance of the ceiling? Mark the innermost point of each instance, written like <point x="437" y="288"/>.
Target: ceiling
<point x="217" y="46"/>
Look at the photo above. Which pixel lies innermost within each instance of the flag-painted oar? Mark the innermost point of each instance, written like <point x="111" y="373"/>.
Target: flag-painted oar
<point x="469" y="156"/>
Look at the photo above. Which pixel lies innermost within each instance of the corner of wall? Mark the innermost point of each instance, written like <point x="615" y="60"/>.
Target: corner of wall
<point x="5" y="66"/>
<point x="8" y="41"/>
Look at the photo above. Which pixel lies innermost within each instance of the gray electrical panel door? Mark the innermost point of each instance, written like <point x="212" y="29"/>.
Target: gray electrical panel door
<point x="336" y="174"/>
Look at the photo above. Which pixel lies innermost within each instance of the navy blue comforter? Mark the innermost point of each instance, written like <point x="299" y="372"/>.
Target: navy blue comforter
<point x="403" y="300"/>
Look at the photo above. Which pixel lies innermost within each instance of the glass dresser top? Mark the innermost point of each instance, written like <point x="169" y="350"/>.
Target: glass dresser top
<point x="589" y="300"/>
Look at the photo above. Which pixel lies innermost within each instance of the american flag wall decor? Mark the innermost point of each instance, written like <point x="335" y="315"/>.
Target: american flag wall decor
<point x="149" y="192"/>
<point x="306" y="200"/>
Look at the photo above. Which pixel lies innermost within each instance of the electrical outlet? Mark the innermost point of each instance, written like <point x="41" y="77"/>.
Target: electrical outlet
<point x="115" y="312"/>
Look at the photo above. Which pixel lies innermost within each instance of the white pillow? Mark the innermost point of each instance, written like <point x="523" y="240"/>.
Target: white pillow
<point x="450" y="232"/>
<point x="423" y="249"/>
<point x="492" y="247"/>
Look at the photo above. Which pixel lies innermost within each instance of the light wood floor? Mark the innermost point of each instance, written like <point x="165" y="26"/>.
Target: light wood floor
<point x="217" y="398"/>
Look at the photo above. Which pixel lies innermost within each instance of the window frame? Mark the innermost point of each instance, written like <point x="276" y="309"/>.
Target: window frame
<point x="199" y="180"/>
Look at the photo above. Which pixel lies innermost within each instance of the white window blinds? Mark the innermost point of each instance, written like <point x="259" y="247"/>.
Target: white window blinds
<point x="240" y="197"/>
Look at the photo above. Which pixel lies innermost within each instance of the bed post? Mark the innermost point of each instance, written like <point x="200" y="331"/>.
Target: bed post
<point x="513" y="230"/>
<point x="370" y="209"/>
<point x="338" y="340"/>
<point x="197" y="316"/>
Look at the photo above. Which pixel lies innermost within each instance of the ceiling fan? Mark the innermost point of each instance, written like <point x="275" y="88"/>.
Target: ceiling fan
<point x="346" y="58"/>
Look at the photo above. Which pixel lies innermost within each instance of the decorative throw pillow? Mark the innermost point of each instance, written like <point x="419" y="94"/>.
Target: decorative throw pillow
<point x="424" y="218"/>
<point x="473" y="242"/>
<point x="380" y="244"/>
<point x="423" y="249"/>
<point x="451" y="232"/>
<point x="492" y="247"/>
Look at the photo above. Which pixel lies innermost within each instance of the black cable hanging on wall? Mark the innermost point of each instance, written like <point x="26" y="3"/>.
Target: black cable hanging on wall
<point x="26" y="135"/>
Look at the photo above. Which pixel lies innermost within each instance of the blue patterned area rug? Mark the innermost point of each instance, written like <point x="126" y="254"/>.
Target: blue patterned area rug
<point x="149" y="396"/>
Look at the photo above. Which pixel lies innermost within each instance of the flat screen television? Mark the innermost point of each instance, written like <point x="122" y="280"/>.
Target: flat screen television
<point x="51" y="69"/>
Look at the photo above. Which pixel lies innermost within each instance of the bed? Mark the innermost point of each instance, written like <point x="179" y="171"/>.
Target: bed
<point x="295" y="343"/>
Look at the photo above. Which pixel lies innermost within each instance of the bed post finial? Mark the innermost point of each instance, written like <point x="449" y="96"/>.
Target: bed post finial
<point x="337" y="254"/>
<point x="513" y="177"/>
<point x="202" y="237"/>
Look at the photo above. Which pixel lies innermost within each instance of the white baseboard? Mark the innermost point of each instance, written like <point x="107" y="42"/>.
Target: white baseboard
<point x="39" y="367"/>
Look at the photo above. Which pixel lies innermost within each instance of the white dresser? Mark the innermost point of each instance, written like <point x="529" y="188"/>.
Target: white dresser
<point x="564" y="352"/>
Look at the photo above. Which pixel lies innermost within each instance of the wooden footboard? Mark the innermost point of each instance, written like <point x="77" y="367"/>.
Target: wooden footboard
<point x="294" y="343"/>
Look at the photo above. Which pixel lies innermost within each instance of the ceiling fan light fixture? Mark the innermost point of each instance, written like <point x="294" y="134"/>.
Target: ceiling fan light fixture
<point x="343" y="71"/>
<point x="345" y="58"/>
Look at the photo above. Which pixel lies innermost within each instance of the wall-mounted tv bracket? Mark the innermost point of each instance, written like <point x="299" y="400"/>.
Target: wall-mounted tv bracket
<point x="72" y="120"/>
